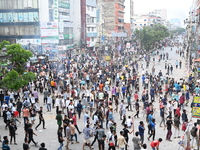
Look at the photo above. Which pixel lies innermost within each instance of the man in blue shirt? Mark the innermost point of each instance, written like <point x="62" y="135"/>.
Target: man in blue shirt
<point x="6" y="147"/>
<point x="79" y="109"/>
<point x="123" y="91"/>
<point x="87" y="131"/>
<point x="152" y="129"/>
<point x="141" y="129"/>
<point x="143" y="79"/>
<point x="150" y="117"/>
<point x="152" y="93"/>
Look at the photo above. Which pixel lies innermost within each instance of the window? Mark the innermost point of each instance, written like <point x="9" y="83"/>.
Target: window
<point x="92" y="39"/>
<point x="144" y="24"/>
<point x="92" y="28"/>
<point x="140" y="24"/>
<point x="145" y="20"/>
<point x="88" y="7"/>
<point x="88" y="29"/>
<point x="92" y="19"/>
<point x="92" y="8"/>
<point x="88" y="20"/>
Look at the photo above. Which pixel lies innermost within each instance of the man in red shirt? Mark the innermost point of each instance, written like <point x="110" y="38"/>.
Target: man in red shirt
<point x="155" y="144"/>
<point x="75" y="123"/>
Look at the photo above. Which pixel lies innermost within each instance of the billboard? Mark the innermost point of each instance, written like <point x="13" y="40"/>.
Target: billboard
<point x="49" y="32"/>
<point x="48" y="25"/>
<point x="28" y="41"/>
<point x="196" y="107"/>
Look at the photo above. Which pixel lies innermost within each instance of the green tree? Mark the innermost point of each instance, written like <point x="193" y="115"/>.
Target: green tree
<point x="3" y="44"/>
<point x="178" y="31"/>
<point x="18" y="76"/>
<point x="149" y="35"/>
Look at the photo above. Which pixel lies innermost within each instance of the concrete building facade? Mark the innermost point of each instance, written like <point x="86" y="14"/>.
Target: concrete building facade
<point x="91" y="21"/>
<point x="19" y="19"/>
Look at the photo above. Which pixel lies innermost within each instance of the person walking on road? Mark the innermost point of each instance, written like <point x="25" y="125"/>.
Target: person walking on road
<point x="87" y="131"/>
<point x="180" y="64"/>
<point x="30" y="135"/>
<point x="152" y="129"/>
<point x="125" y="134"/>
<point x="169" y="124"/>
<point x="177" y="126"/>
<point x="141" y="129"/>
<point x="59" y="119"/>
<point x="121" y="141"/>
<point x="60" y="138"/>
<point x="79" y="109"/>
<point x="136" y="141"/>
<point x="41" y="119"/>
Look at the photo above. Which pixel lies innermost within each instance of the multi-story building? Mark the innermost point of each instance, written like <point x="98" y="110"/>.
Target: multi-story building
<point x="112" y="16"/>
<point x="128" y="16"/>
<point x="155" y="20"/>
<point x="83" y="24"/>
<point x="19" y="20"/>
<point x="61" y="19"/>
<point x="41" y="24"/>
<point x="160" y="12"/>
<point x="140" y="21"/>
<point x="91" y="30"/>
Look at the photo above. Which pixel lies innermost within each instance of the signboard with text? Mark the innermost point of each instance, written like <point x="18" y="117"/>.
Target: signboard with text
<point x="196" y="107"/>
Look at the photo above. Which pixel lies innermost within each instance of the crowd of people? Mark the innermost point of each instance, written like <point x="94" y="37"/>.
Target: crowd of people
<point x="89" y="88"/>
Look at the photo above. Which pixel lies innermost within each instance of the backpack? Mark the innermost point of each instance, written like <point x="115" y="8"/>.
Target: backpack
<point x="193" y="131"/>
<point x="184" y="126"/>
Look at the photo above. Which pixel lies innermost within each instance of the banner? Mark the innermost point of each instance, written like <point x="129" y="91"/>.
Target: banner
<point x="196" y="107"/>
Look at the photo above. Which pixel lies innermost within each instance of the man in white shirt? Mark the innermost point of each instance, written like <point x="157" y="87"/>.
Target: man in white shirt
<point x="49" y="102"/>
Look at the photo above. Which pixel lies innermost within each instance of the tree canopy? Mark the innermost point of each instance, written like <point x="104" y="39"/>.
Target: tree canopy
<point x="149" y="35"/>
<point x="178" y="31"/>
<point x="18" y="76"/>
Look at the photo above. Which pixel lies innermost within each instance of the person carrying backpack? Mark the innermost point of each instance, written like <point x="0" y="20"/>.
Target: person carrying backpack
<point x="193" y="133"/>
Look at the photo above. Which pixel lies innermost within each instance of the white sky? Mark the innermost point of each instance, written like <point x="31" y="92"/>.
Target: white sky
<point x="175" y="8"/>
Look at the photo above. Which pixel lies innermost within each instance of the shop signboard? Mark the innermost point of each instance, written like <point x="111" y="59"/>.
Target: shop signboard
<point x="50" y="41"/>
<point x="49" y="25"/>
<point x="63" y="10"/>
<point x="28" y="41"/>
<point x="64" y="5"/>
<point x="196" y="107"/>
<point x="49" y="32"/>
